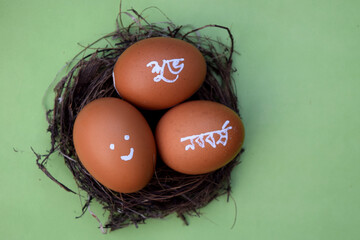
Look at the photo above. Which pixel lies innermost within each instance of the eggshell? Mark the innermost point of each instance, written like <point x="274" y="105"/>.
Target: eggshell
<point x="198" y="137"/>
<point x="115" y="144"/>
<point x="157" y="73"/>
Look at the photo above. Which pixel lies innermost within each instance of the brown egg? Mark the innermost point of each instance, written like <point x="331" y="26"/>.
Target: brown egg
<point x="115" y="144"/>
<point x="157" y="73"/>
<point x="198" y="137"/>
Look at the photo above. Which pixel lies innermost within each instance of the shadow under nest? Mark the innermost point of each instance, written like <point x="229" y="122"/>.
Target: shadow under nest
<point x="90" y="78"/>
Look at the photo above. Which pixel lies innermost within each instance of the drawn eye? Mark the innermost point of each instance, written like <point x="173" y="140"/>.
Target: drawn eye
<point x="112" y="146"/>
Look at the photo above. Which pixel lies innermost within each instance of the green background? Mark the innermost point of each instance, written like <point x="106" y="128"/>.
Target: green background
<point x="298" y="83"/>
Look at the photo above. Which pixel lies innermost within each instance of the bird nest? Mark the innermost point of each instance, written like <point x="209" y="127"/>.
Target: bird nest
<point x="89" y="77"/>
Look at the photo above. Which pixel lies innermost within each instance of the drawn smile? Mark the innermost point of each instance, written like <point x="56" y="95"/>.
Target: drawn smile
<point x="125" y="157"/>
<point x="128" y="157"/>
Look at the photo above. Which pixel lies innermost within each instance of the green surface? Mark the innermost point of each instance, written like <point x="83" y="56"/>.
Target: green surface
<point x="298" y="83"/>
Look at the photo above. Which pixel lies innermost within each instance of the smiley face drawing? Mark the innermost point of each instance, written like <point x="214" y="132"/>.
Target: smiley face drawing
<point x="124" y="157"/>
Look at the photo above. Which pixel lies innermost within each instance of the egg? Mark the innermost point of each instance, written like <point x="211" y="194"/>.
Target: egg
<point x="115" y="144"/>
<point x="199" y="137"/>
<point x="160" y="72"/>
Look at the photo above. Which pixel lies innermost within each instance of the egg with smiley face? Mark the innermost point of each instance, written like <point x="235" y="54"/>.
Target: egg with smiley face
<point x="115" y="144"/>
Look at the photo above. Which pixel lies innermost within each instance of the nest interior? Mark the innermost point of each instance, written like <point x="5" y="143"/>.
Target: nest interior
<point x="90" y="78"/>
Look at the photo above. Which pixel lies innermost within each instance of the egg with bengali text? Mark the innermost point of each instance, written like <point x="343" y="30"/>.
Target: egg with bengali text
<point x="199" y="137"/>
<point x="158" y="73"/>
